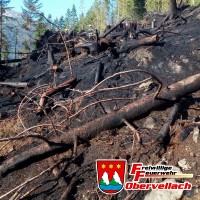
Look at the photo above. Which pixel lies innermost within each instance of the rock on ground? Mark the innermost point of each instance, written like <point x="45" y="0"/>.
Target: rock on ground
<point x="164" y="194"/>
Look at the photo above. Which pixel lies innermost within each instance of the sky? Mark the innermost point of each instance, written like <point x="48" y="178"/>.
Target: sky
<point x="57" y="8"/>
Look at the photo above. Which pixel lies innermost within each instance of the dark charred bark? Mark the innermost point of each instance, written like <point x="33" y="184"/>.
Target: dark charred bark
<point x="51" y="92"/>
<point x="92" y="48"/>
<point x="10" y="103"/>
<point x="171" y="118"/>
<point x="130" y="45"/>
<point x="107" y="122"/>
<point x="143" y="31"/>
<point x="68" y="190"/>
<point x="174" y="11"/>
<point x="99" y="71"/>
<point x="97" y="41"/>
<point x="50" y="59"/>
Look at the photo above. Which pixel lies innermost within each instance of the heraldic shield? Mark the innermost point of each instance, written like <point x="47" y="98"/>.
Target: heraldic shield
<point x="110" y="175"/>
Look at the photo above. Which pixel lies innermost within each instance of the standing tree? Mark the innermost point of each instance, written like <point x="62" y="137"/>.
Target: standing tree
<point x="3" y="39"/>
<point x="157" y="5"/>
<point x="56" y="22"/>
<point x="174" y="11"/>
<point x="89" y="18"/>
<point x="61" y="23"/>
<point x="74" y="18"/>
<point x="30" y="18"/>
<point x="81" y="23"/>
<point x="41" y="27"/>
<point x="97" y="10"/>
<point x="49" y="25"/>
<point x="130" y="9"/>
<point x="139" y="8"/>
<point x="112" y="12"/>
<point x="68" y="19"/>
<point x="105" y="7"/>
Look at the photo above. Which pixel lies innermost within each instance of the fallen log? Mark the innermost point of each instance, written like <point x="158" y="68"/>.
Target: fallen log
<point x="130" y="45"/>
<point x="91" y="129"/>
<point x="53" y="91"/>
<point x="9" y="103"/>
<point x="16" y="84"/>
<point x="67" y="191"/>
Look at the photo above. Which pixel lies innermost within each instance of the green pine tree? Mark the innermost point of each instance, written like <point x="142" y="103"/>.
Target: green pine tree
<point x="157" y="5"/>
<point x="5" y="47"/>
<point x="139" y="8"/>
<point x="192" y="2"/>
<point x="40" y="28"/>
<point x="61" y="22"/>
<point x="56" y="22"/>
<point x="131" y="9"/>
<point x="68" y="19"/>
<point x="49" y="25"/>
<point x="81" y="21"/>
<point x="74" y="18"/>
<point x="3" y="39"/>
<point x="31" y="7"/>
<point x="89" y="19"/>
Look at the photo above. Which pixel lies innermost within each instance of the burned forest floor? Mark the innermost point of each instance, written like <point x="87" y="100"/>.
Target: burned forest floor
<point x="73" y="102"/>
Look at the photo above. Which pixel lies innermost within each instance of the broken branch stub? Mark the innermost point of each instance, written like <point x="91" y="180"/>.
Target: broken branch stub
<point x="91" y="129"/>
<point x="99" y="71"/>
<point x="53" y="91"/>
<point x="50" y="59"/>
<point x="171" y="118"/>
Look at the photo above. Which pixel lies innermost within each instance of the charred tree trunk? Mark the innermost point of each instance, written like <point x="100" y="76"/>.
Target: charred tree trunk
<point x="130" y="45"/>
<point x="174" y="11"/>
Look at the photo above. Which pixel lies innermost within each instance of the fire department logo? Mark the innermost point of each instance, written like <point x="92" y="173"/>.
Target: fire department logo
<point x="110" y="175"/>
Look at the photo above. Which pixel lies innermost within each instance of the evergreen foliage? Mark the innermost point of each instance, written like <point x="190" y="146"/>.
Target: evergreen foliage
<point x="3" y="38"/>
<point x="30" y="20"/>
<point x="101" y="13"/>
<point x="41" y="27"/>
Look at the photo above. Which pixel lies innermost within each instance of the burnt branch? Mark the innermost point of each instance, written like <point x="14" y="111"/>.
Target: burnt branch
<point x="171" y="118"/>
<point x="53" y="91"/>
<point x="32" y="179"/>
<point x="91" y="129"/>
